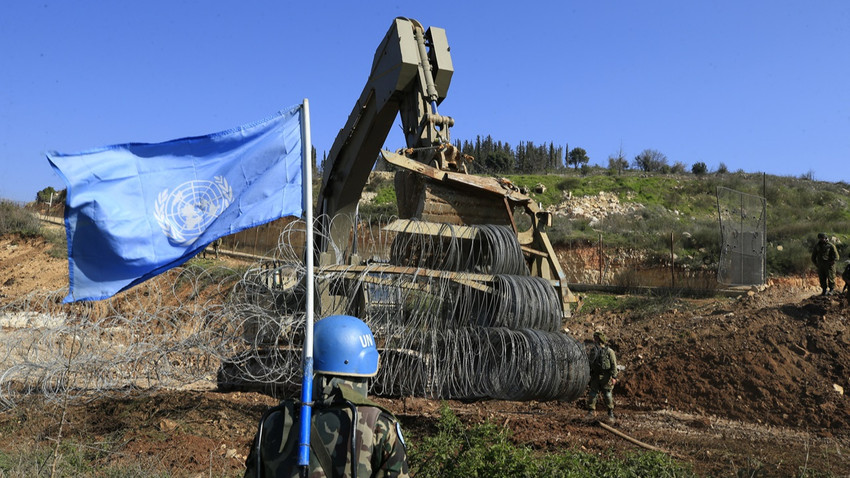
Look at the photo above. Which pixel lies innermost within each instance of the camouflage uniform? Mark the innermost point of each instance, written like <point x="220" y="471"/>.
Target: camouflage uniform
<point x="603" y="369"/>
<point x="846" y="276"/>
<point x="824" y="256"/>
<point x="380" y="446"/>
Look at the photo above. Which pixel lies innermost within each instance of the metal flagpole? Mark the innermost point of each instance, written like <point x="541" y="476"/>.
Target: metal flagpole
<point x="307" y="378"/>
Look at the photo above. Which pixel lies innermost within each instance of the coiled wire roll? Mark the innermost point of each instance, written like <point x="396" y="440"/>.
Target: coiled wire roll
<point x="494" y="362"/>
<point x="492" y="250"/>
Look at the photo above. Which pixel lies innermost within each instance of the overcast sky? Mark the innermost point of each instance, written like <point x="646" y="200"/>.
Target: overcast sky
<point x="761" y="86"/>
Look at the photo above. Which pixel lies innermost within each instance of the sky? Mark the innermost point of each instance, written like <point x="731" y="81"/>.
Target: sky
<point x="759" y="85"/>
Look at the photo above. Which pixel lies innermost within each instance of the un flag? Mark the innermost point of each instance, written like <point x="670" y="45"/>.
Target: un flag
<point x="136" y="210"/>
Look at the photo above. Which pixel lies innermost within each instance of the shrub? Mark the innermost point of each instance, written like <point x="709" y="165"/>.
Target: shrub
<point x="58" y="241"/>
<point x="569" y="183"/>
<point x="385" y="195"/>
<point x="486" y="449"/>
<point x="699" y="168"/>
<point x="16" y="219"/>
<point x="794" y="258"/>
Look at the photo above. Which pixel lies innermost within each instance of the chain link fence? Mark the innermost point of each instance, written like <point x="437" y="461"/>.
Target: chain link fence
<point x="743" y="226"/>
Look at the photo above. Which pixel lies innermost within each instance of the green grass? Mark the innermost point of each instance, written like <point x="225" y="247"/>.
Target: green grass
<point x="486" y="450"/>
<point x="598" y="303"/>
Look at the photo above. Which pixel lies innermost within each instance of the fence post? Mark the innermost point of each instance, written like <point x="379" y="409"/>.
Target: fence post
<point x="672" y="264"/>
<point x="600" y="258"/>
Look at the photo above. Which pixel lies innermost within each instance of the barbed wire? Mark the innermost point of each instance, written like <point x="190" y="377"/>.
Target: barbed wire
<point x="454" y="315"/>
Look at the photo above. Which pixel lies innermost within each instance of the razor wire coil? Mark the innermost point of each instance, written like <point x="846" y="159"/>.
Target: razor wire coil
<point x="441" y="336"/>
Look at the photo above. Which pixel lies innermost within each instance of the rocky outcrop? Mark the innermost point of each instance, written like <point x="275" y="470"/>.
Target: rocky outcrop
<point x="593" y="208"/>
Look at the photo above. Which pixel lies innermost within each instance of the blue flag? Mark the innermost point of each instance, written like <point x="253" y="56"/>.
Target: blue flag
<point x="136" y="210"/>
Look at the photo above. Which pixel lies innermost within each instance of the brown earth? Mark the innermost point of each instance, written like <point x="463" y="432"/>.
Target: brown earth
<point x="747" y="386"/>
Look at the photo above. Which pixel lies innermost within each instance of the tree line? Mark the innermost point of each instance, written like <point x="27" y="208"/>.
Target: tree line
<point x="497" y="157"/>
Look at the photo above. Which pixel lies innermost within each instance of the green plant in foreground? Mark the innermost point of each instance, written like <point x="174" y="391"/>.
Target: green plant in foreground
<point x="486" y="450"/>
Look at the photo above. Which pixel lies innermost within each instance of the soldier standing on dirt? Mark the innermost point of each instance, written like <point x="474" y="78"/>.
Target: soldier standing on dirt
<point x="824" y="256"/>
<point x="215" y="245"/>
<point x="846" y="276"/>
<point x="603" y="375"/>
<point x="344" y="358"/>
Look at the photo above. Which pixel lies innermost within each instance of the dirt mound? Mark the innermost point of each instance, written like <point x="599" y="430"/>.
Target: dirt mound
<point x="777" y="365"/>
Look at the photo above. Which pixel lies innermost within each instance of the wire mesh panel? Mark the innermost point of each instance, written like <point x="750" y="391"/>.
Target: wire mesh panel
<point x="742" y="235"/>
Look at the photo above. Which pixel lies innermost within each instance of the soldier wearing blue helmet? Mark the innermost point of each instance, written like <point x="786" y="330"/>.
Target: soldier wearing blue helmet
<point x="351" y="436"/>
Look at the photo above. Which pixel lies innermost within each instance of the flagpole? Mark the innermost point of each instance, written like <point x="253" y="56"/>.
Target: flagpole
<point x="307" y="378"/>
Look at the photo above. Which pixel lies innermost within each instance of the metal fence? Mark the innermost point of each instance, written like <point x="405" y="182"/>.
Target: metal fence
<point x="742" y="230"/>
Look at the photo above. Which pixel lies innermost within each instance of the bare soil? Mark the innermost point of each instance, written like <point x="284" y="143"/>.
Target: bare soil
<point x="747" y="386"/>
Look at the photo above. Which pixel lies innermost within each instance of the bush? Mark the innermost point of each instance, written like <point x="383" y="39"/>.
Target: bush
<point x="16" y="219"/>
<point x="794" y="258"/>
<point x="58" y="241"/>
<point x="385" y="195"/>
<point x="569" y="183"/>
<point x="699" y="168"/>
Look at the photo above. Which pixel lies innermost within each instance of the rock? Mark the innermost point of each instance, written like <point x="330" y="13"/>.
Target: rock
<point x="838" y="388"/>
<point x="167" y="425"/>
<point x="598" y="206"/>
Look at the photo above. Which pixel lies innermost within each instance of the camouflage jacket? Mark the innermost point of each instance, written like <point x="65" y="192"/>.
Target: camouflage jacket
<point x="824" y="254"/>
<point x="603" y="362"/>
<point x="378" y="442"/>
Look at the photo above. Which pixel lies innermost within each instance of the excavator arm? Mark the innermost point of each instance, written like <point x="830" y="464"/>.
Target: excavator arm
<point x="410" y="77"/>
<point x="411" y="73"/>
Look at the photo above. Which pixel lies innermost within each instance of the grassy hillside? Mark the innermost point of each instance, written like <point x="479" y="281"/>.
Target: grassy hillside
<point x="686" y="206"/>
<point x="797" y="209"/>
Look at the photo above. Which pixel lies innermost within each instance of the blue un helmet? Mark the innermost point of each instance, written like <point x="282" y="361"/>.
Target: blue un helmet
<point x="344" y="345"/>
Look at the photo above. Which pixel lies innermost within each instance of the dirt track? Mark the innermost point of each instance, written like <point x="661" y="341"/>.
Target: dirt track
<point x="731" y="385"/>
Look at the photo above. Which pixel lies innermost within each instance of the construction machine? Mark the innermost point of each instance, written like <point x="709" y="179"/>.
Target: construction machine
<point x="437" y="197"/>
<point x="464" y="302"/>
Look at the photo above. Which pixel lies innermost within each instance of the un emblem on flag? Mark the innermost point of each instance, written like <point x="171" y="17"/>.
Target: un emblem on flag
<point x="186" y="212"/>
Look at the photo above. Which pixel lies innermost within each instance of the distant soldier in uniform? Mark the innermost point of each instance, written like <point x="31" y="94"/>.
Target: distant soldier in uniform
<point x="351" y="436"/>
<point x="824" y="256"/>
<point x="603" y="375"/>
<point x="846" y="276"/>
<point x="215" y="246"/>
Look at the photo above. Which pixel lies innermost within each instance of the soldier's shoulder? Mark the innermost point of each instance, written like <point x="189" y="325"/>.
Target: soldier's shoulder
<point x="377" y="413"/>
